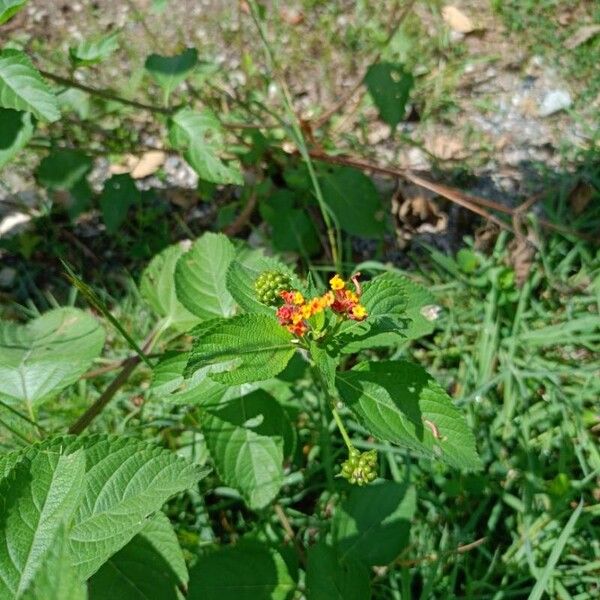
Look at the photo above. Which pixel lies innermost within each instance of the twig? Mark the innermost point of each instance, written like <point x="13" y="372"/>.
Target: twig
<point x="107" y="395"/>
<point x="285" y="523"/>
<point x="433" y="557"/>
<point x="242" y="219"/>
<point x="341" y="102"/>
<point x="106" y="94"/>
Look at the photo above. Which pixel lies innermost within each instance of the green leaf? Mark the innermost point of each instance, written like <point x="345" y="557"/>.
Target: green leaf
<point x="396" y="314"/>
<point x="169" y="384"/>
<point x="22" y="87"/>
<point x="16" y="129"/>
<point x="354" y="201"/>
<point x="150" y="567"/>
<point x="95" y="50"/>
<point x="56" y="579"/>
<point x="248" y="571"/>
<point x="8" y="8"/>
<point x="170" y="71"/>
<point x="157" y="287"/>
<point x="43" y="494"/>
<point x="329" y="578"/>
<point x="126" y="482"/>
<point x="199" y="136"/>
<point x="251" y="348"/>
<point x="389" y="85"/>
<point x="292" y="228"/>
<point x="242" y="274"/>
<point x="200" y="277"/>
<point x="118" y="195"/>
<point x="373" y="523"/>
<point x="400" y="402"/>
<point x="41" y="358"/>
<point x="245" y="438"/>
<point x="63" y="169"/>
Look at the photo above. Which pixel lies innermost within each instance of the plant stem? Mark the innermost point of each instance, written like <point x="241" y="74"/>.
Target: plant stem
<point x="105" y="94"/>
<point x="342" y="428"/>
<point x="299" y="140"/>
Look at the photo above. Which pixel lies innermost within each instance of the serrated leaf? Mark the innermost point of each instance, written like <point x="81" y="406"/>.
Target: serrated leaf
<point x="251" y="347"/>
<point x="56" y="579"/>
<point x="329" y="578"/>
<point x="199" y="136"/>
<point x="118" y="195"/>
<point x="8" y="8"/>
<point x="94" y="50"/>
<point x="200" y="277"/>
<point x="400" y="402"/>
<point x="372" y="525"/>
<point x="170" y="71"/>
<point x="157" y="287"/>
<point x="22" y="87"/>
<point x="354" y="201"/>
<point x="389" y="86"/>
<point x="63" y="169"/>
<point x="390" y="322"/>
<point x="169" y="384"/>
<point x="16" y="129"/>
<point x="246" y="438"/>
<point x="43" y="494"/>
<point x="126" y="481"/>
<point x="248" y="571"/>
<point x="243" y="272"/>
<point x="41" y="358"/>
<point x="150" y="567"/>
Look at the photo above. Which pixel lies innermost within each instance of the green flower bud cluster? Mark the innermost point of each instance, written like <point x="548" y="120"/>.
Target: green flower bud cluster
<point x="268" y="286"/>
<point x="360" y="469"/>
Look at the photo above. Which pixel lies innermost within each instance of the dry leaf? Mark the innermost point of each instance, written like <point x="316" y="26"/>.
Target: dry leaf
<point x="521" y="255"/>
<point x="291" y="16"/>
<point x="582" y="35"/>
<point x="457" y="20"/>
<point x="445" y="147"/>
<point x="148" y="164"/>
<point x="580" y="197"/>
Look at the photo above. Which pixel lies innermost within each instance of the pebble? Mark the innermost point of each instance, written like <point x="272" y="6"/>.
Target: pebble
<point x="555" y="101"/>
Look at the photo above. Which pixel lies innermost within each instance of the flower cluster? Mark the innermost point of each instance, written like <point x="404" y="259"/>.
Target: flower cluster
<point x="360" y="469"/>
<point x="296" y="310"/>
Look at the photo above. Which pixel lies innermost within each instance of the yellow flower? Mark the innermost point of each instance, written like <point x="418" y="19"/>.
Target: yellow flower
<point x="359" y="311"/>
<point x="337" y="283"/>
<point x="315" y="306"/>
<point x="327" y="299"/>
<point x="298" y="298"/>
<point x="350" y="295"/>
<point x="297" y="317"/>
<point x="306" y="311"/>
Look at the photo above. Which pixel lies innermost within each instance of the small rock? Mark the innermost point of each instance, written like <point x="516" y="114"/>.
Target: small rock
<point x="555" y="101"/>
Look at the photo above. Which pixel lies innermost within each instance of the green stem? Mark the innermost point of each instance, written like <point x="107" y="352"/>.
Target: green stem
<point x="299" y="140"/>
<point x="343" y="430"/>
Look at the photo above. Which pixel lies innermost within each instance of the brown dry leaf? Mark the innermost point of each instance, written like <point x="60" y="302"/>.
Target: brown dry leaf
<point x="457" y="20"/>
<point x="445" y="147"/>
<point x="291" y="16"/>
<point x="582" y="35"/>
<point x="580" y="197"/>
<point x="416" y="212"/>
<point x="148" y="164"/>
<point x="182" y="197"/>
<point x="485" y="237"/>
<point x="125" y="166"/>
<point x="521" y="255"/>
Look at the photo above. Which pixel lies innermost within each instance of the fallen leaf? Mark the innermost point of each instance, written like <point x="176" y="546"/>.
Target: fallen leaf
<point x="580" y="197"/>
<point x="582" y="35"/>
<point x="291" y="16"/>
<point x="521" y="255"/>
<point x="445" y="147"/>
<point x="148" y="164"/>
<point x="457" y="20"/>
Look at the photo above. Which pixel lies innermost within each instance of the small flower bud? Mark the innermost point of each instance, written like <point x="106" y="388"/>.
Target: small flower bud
<point x="360" y="469"/>
<point x="269" y="285"/>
